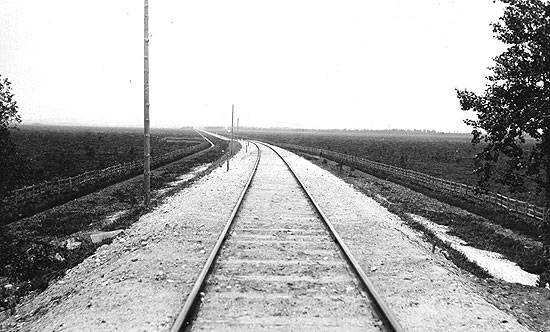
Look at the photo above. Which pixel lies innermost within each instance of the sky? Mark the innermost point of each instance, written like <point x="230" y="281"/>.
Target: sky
<point x="302" y="64"/>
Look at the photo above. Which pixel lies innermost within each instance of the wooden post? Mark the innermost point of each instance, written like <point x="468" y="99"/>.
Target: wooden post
<point x="231" y="140"/>
<point x="146" y="124"/>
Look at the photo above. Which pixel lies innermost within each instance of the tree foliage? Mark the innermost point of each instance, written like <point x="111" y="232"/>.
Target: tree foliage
<point x="8" y="108"/>
<point x="515" y="105"/>
<point x="8" y="119"/>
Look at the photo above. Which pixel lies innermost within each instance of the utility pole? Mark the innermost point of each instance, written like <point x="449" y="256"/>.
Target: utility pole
<point x="147" y="137"/>
<point x="231" y="141"/>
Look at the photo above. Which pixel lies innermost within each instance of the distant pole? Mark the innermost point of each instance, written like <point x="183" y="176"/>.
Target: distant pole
<point x="147" y="139"/>
<point x="237" y="134"/>
<point x="231" y="140"/>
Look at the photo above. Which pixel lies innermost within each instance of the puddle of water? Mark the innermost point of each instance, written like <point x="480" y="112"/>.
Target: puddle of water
<point x="492" y="262"/>
<point x="98" y="237"/>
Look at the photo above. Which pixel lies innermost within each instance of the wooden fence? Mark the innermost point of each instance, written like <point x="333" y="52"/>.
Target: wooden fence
<point x="58" y="187"/>
<point x="534" y="213"/>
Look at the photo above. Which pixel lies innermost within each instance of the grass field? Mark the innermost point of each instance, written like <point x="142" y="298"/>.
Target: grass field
<point x="52" y="152"/>
<point x="447" y="156"/>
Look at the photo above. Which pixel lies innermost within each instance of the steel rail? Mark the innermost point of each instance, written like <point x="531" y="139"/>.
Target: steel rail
<point x="183" y="320"/>
<point x="381" y="308"/>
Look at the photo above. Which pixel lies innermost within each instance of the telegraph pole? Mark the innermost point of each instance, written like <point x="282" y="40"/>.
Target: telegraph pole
<point x="147" y="139"/>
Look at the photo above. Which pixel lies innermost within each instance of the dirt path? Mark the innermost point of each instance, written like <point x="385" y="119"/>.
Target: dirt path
<point x="139" y="282"/>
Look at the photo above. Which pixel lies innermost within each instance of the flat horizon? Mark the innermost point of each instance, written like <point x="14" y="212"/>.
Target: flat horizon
<point x="91" y="125"/>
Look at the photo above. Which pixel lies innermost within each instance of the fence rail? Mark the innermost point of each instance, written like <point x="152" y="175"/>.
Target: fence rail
<point x="534" y="213"/>
<point x="22" y="196"/>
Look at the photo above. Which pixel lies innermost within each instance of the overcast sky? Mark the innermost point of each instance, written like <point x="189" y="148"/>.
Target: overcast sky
<point x="306" y="64"/>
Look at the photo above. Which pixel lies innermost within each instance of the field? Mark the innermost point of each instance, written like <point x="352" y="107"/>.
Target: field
<point x="447" y="156"/>
<point x="49" y="152"/>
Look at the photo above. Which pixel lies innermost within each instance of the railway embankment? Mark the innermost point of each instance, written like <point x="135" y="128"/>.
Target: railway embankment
<point x="141" y="279"/>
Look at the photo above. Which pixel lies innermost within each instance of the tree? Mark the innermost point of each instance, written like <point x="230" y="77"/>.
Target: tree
<point x="515" y="105"/>
<point x="8" y="119"/>
<point x="8" y="107"/>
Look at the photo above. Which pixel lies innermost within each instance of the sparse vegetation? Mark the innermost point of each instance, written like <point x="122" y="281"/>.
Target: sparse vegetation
<point x="75" y="147"/>
<point x="59" y="152"/>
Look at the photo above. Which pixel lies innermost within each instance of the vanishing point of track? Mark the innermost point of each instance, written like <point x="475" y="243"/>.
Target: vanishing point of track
<point x="279" y="265"/>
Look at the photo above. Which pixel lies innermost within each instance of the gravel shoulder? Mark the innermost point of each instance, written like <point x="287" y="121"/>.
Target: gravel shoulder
<point x="140" y="280"/>
<point x="425" y="290"/>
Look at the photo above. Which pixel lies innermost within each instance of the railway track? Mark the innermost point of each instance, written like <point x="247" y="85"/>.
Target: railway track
<point x="279" y="265"/>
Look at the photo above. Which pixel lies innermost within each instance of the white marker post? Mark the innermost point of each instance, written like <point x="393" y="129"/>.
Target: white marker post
<point x="237" y="133"/>
<point x="231" y="141"/>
